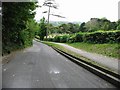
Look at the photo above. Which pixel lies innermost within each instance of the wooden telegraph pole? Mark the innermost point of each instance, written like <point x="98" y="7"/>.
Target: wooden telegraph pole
<point x="50" y="4"/>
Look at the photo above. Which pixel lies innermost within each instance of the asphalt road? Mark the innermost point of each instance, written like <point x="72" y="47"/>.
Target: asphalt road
<point x="42" y="67"/>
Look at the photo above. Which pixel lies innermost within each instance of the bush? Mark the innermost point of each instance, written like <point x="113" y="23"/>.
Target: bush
<point x="96" y="37"/>
<point x="115" y="37"/>
<point x="37" y="37"/>
<point x="26" y="38"/>
<point x="56" y="39"/>
<point x="71" y="39"/>
<point x="64" y="39"/>
<point x="78" y="37"/>
<point x="48" y="39"/>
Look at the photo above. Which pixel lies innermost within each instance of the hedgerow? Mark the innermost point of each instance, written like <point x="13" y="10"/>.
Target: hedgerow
<point x="91" y="37"/>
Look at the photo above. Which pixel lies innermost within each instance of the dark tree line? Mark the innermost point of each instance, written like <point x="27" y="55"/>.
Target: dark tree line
<point x="64" y="28"/>
<point x="94" y="24"/>
<point x="16" y="20"/>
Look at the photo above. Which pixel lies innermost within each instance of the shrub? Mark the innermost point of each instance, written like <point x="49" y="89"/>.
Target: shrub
<point x="71" y="39"/>
<point x="56" y="39"/>
<point x="48" y="39"/>
<point x="64" y="39"/>
<point x="78" y="37"/>
<point x="95" y="37"/>
<point x="26" y="39"/>
<point x="37" y="37"/>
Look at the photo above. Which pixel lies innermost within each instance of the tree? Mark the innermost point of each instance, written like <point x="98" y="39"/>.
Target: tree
<point x="100" y="24"/>
<point x="82" y="27"/>
<point x="118" y="25"/>
<point x="106" y="26"/>
<point x="33" y="28"/>
<point x="113" y="25"/>
<point x="72" y="28"/>
<point x="15" y="18"/>
<point x="43" y="28"/>
<point x="92" y="25"/>
<point x="63" y="28"/>
<point x="51" y="29"/>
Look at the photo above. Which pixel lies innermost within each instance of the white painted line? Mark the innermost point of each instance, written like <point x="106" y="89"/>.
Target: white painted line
<point x="4" y="69"/>
<point x="58" y="54"/>
<point x="13" y="75"/>
<point x="37" y="80"/>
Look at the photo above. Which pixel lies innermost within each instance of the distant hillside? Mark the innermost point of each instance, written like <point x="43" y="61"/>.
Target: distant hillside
<point x="57" y="23"/>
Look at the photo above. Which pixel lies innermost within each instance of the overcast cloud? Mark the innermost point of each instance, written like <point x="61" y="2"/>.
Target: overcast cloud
<point x="81" y="10"/>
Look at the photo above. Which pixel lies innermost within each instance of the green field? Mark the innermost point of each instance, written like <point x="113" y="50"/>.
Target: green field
<point x="111" y="50"/>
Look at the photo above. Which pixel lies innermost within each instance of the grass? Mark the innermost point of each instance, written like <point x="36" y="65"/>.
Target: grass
<point x="111" y="50"/>
<point x="75" y="54"/>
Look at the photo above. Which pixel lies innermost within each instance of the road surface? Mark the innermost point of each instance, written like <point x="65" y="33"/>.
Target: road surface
<point x="41" y="67"/>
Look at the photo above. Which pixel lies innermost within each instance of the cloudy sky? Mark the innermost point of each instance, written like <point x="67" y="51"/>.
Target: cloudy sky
<point x="81" y="10"/>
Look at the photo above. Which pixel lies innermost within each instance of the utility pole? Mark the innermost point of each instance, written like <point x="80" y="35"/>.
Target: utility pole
<point x="48" y="21"/>
<point x="50" y="3"/>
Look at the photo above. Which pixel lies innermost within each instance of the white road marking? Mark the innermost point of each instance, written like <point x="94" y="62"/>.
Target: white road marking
<point x="13" y="75"/>
<point x="4" y="69"/>
<point x="37" y="80"/>
<point x="58" y="54"/>
<point x="56" y="72"/>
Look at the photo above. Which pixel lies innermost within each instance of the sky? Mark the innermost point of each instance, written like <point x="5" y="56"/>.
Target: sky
<point x="80" y="10"/>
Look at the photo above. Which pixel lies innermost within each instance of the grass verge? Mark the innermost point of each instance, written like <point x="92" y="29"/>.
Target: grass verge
<point x="76" y="55"/>
<point x="111" y="50"/>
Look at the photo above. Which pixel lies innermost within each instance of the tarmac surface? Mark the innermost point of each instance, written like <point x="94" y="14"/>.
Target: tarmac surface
<point x="42" y="67"/>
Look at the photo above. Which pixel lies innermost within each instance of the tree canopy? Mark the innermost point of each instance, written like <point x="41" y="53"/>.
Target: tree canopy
<point x="43" y="28"/>
<point x="15" y="21"/>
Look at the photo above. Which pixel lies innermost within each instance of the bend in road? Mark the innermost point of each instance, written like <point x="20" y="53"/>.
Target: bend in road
<point x="42" y="67"/>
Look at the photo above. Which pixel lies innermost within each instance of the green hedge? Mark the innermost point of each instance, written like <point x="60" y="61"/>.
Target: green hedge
<point x="91" y="37"/>
<point x="49" y="39"/>
<point x="56" y="39"/>
<point x="79" y="37"/>
<point x="102" y="37"/>
<point x="71" y="39"/>
<point x="64" y="39"/>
